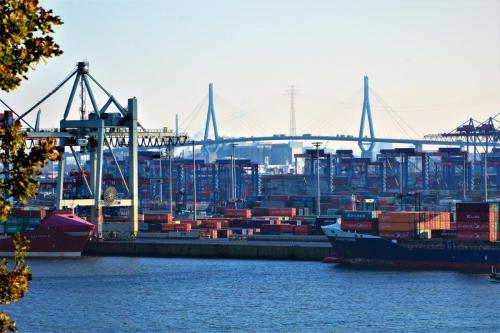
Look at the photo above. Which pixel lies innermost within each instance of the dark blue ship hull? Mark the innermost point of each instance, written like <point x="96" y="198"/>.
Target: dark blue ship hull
<point x="376" y="251"/>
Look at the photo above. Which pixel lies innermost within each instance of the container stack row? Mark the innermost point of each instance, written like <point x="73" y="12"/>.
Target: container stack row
<point x="478" y="221"/>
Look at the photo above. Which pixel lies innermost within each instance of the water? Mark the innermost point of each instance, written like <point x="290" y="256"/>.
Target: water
<point x="114" y="294"/>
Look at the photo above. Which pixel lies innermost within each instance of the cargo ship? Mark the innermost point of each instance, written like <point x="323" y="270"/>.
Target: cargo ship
<point x="472" y="244"/>
<point x="57" y="234"/>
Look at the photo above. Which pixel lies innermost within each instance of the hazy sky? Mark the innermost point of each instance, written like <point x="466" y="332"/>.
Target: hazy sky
<point x="433" y="63"/>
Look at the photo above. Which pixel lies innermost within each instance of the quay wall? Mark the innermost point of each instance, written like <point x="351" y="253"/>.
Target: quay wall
<point x="207" y="249"/>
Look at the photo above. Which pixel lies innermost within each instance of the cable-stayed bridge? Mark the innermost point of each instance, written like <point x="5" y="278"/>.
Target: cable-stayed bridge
<point x="97" y="129"/>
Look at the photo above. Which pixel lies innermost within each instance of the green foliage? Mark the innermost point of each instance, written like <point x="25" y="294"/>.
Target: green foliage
<point x="20" y="166"/>
<point x="18" y="181"/>
<point x="14" y="283"/>
<point x="25" y="40"/>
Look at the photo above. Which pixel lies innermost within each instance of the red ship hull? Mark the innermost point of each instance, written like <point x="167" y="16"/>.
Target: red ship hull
<point x="60" y="234"/>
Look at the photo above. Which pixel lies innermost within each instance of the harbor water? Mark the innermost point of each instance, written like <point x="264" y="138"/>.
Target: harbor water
<point x="119" y="294"/>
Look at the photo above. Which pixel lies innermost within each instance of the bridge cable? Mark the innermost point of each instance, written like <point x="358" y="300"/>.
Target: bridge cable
<point x="242" y="112"/>
<point x="394" y="114"/>
<point x="193" y="114"/>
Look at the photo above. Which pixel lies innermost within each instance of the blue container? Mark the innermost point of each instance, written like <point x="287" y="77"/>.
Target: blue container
<point x="256" y="223"/>
<point x="144" y="227"/>
<point x="272" y="204"/>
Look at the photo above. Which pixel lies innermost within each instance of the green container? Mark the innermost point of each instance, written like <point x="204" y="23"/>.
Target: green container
<point x="32" y="222"/>
<point x="333" y="211"/>
<point x="12" y="229"/>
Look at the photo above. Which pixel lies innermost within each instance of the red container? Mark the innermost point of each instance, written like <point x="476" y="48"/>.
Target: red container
<point x="397" y="234"/>
<point x="158" y="217"/>
<point x="183" y="227"/>
<point x="473" y="226"/>
<point x="470" y="216"/>
<point x="259" y="211"/>
<point x="473" y="235"/>
<point x="211" y="224"/>
<point x="180" y="227"/>
<point x="290" y="212"/>
<point x="276" y="228"/>
<point x="166" y="227"/>
<point x="38" y="213"/>
<point x="246" y="213"/>
<point x="302" y="230"/>
<point x="194" y="224"/>
<point x="359" y="225"/>
<point x="224" y="223"/>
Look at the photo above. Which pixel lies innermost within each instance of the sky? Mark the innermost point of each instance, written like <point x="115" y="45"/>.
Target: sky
<point x="431" y="64"/>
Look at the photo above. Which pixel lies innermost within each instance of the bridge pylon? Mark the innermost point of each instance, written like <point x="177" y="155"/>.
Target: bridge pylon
<point x="210" y="149"/>
<point x="366" y="148"/>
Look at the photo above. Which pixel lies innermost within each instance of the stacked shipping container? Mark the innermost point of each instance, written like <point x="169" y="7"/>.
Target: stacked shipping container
<point x="407" y="225"/>
<point x="362" y="221"/>
<point x="478" y="221"/>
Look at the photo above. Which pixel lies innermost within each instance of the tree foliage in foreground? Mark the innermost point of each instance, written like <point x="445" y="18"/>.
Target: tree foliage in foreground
<point x="20" y="167"/>
<point x="25" y="40"/>
<point x="25" y="29"/>
<point x="13" y="283"/>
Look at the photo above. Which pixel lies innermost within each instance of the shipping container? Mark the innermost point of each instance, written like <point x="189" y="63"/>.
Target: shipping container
<point x="403" y="226"/>
<point x="477" y="206"/>
<point x="473" y="235"/>
<point x="260" y="211"/>
<point x="242" y="231"/>
<point x="224" y="233"/>
<point x="245" y="213"/>
<point x="448" y="234"/>
<point x="143" y="227"/>
<point x="471" y="216"/>
<point x="397" y="234"/>
<point x="237" y="223"/>
<point x="370" y="226"/>
<point x="211" y="224"/>
<point x="473" y="226"/>
<point x="289" y="212"/>
<point x="158" y="217"/>
<point x="276" y="228"/>
<point x="358" y="215"/>
<point x="302" y="230"/>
